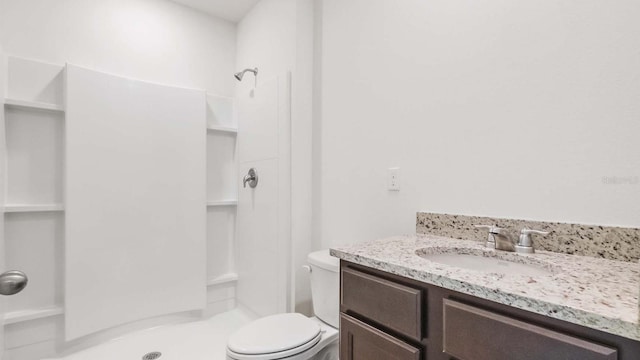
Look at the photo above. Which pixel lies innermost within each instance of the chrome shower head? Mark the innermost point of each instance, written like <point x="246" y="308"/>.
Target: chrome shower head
<point x="240" y="74"/>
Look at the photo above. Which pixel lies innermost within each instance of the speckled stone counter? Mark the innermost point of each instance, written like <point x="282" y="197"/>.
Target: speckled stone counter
<point x="607" y="242"/>
<point x="597" y="293"/>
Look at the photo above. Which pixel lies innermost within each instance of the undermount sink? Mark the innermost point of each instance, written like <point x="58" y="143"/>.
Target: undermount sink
<point x="488" y="262"/>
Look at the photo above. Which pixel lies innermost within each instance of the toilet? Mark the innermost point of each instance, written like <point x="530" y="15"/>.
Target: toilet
<point x="294" y="336"/>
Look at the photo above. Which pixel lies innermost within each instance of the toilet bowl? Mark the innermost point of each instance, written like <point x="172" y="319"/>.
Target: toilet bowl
<point x="294" y="336"/>
<point x="283" y="336"/>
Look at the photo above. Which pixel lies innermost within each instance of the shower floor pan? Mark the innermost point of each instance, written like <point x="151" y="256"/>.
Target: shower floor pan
<point x="201" y="340"/>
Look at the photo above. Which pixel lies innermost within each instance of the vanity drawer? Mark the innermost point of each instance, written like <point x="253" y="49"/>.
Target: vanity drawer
<point x="359" y="341"/>
<point x="395" y="306"/>
<point x="470" y="333"/>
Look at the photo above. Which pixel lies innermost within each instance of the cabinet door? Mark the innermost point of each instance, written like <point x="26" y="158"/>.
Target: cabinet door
<point x="395" y="306"/>
<point x="359" y="341"/>
<point x="471" y="333"/>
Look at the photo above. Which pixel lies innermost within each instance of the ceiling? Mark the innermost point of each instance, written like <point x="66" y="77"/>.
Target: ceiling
<point x="232" y="10"/>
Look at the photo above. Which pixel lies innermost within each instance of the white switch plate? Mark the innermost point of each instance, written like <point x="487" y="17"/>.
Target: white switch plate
<point x="393" y="179"/>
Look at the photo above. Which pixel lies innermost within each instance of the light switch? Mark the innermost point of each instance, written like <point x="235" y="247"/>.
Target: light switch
<point x="393" y="179"/>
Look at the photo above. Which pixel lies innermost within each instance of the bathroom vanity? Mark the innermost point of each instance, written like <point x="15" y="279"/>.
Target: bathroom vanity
<point x="400" y="300"/>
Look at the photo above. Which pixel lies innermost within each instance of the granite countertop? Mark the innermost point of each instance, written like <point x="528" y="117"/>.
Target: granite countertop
<point x="596" y="293"/>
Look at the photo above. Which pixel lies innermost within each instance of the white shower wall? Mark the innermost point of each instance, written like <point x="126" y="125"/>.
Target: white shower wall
<point x="277" y="37"/>
<point x="263" y="244"/>
<point x="135" y="225"/>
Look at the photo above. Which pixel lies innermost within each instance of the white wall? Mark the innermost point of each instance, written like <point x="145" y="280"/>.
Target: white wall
<point x="490" y="107"/>
<point x="152" y="40"/>
<point x="277" y="36"/>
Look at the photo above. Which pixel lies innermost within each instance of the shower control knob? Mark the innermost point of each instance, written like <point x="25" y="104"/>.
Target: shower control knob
<point x="251" y="178"/>
<point x="12" y="282"/>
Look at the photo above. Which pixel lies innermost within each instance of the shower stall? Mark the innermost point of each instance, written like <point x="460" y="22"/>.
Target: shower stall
<point x="124" y="205"/>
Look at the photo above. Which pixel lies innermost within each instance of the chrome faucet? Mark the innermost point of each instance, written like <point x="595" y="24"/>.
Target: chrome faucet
<point x="491" y="239"/>
<point x="504" y="239"/>
<point x="498" y="238"/>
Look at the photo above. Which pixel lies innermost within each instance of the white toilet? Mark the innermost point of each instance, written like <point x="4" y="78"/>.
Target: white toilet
<point x="295" y="336"/>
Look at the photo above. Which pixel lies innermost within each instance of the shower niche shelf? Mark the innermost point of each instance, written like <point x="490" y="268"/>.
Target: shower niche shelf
<point x="34" y="160"/>
<point x="222" y="198"/>
<point x="27" y="208"/>
<point x="32" y="314"/>
<point x="34" y="118"/>
<point x="223" y="279"/>
<point x="224" y="129"/>
<point x="32" y="105"/>
<point x="222" y="203"/>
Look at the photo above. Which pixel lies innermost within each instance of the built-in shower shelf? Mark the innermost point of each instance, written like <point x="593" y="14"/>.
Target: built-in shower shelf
<point x="223" y="279"/>
<point x="32" y="314"/>
<point x="222" y="203"/>
<point x="225" y="129"/>
<point x="33" y="105"/>
<point x="24" y="208"/>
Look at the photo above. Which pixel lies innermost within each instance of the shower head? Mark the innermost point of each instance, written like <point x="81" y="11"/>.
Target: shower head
<point x="240" y="74"/>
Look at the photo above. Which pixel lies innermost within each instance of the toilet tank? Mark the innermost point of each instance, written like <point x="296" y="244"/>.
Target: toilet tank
<point x="325" y="286"/>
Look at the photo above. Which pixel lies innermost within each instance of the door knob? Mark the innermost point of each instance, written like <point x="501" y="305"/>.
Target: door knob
<point x="12" y="282"/>
<point x="251" y="178"/>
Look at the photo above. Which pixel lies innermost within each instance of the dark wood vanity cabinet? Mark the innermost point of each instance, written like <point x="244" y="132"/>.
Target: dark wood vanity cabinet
<point x="388" y="317"/>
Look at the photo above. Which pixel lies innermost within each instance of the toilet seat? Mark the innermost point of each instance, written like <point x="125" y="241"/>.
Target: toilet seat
<point x="274" y="337"/>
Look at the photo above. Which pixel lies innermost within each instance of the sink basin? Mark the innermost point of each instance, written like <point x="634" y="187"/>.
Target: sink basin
<point x="488" y="262"/>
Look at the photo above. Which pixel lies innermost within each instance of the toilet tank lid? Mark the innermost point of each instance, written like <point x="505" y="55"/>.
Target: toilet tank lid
<point x="324" y="260"/>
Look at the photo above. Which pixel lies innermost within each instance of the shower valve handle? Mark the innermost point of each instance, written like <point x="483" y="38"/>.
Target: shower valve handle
<point x="251" y="178"/>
